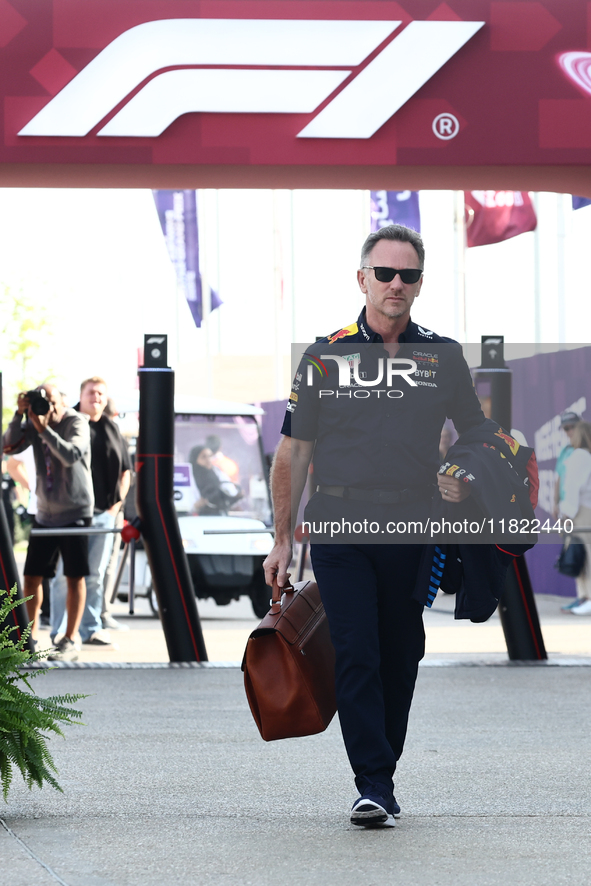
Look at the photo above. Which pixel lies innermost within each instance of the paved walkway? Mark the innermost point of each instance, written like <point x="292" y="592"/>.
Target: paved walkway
<point x="169" y="784"/>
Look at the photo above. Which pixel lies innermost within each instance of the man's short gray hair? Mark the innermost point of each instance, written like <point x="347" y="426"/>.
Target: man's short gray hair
<point x="394" y="232"/>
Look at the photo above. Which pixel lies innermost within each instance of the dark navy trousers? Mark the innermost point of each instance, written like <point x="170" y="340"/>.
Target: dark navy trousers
<point x="378" y="635"/>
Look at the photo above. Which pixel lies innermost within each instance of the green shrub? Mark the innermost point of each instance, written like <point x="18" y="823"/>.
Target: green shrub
<point x="24" y="716"/>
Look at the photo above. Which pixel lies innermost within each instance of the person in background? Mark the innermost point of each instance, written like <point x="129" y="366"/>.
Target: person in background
<point x="21" y="468"/>
<point x="109" y="622"/>
<point x="225" y="467"/>
<point x="576" y="504"/>
<point x="568" y="422"/>
<point x="216" y="495"/>
<point x="110" y="479"/>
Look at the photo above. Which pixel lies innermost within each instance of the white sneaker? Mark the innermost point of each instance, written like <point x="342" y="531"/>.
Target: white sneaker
<point x="99" y="638"/>
<point x="583" y="609"/>
<point x="113" y="625"/>
<point x="65" y="650"/>
<point x="369" y="813"/>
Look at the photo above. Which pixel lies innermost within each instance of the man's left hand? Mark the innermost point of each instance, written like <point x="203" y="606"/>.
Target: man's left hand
<point x="452" y="489"/>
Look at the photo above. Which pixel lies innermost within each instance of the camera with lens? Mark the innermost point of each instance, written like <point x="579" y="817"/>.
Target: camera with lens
<point x="38" y="402"/>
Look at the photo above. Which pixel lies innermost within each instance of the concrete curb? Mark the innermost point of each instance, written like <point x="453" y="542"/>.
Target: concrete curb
<point x="200" y="665"/>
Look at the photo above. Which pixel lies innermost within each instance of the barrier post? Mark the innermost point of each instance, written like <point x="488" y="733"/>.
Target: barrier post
<point x="517" y="609"/>
<point x="155" y="506"/>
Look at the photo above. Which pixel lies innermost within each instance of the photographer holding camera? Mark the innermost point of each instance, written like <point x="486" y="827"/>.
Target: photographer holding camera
<point x="60" y="438"/>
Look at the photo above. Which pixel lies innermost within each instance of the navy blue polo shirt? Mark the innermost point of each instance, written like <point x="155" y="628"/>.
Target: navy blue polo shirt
<point x="382" y="435"/>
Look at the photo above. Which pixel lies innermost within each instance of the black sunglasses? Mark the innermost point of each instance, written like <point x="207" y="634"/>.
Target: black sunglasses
<point x="386" y="275"/>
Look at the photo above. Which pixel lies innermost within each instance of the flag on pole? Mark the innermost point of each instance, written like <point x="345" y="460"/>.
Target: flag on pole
<point x="580" y="202"/>
<point x="493" y="216"/>
<point x="177" y="211"/>
<point x="395" y="208"/>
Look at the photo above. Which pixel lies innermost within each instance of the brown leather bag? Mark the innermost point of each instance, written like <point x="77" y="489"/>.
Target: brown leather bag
<point x="289" y="665"/>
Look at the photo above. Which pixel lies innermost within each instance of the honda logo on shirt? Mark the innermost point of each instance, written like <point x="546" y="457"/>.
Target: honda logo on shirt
<point x="253" y="66"/>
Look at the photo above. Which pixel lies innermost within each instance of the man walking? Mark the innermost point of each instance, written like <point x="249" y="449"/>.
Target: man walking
<point x="60" y="438"/>
<point x="110" y="478"/>
<point x="380" y="456"/>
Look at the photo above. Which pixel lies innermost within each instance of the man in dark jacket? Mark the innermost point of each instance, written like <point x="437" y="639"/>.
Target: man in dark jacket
<point x="472" y="562"/>
<point x="110" y="479"/>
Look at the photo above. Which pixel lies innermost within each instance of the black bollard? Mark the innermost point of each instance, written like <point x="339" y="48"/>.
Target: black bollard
<point x="155" y="507"/>
<point x="517" y="610"/>
<point x="9" y="577"/>
<point x="519" y="616"/>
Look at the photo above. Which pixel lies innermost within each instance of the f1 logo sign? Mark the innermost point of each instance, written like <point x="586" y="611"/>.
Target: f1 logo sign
<point x="299" y="64"/>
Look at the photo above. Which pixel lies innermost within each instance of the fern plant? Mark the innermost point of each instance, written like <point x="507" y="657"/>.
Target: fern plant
<point x="24" y="716"/>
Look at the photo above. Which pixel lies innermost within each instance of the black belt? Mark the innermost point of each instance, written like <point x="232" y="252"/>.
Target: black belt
<point x="378" y="496"/>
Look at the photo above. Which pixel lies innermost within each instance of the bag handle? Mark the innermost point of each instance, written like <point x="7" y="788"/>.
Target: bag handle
<point x="277" y="593"/>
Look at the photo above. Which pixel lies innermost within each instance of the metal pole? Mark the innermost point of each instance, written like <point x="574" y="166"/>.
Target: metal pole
<point x="155" y="507"/>
<point x="460" y="266"/>
<point x="561" y="270"/>
<point x="277" y="295"/>
<point x="18" y="618"/>
<point x="131" y="585"/>
<point x="292" y="268"/>
<point x="205" y="291"/>
<point x="120" y="571"/>
<point x="517" y="608"/>
<point x="75" y="530"/>
<point x="537" y="277"/>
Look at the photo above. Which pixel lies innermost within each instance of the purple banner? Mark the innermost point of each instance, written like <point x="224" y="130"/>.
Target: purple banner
<point x="177" y="211"/>
<point x="395" y="208"/>
<point x="271" y="423"/>
<point x="580" y="202"/>
<point x="544" y="386"/>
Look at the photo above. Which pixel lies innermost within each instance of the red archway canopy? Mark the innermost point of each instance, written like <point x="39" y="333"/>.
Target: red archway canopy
<point x="297" y="94"/>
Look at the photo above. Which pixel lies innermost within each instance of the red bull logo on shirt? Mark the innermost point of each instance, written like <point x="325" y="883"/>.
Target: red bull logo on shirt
<point x="343" y="333"/>
<point x="423" y="357"/>
<point x="510" y="441"/>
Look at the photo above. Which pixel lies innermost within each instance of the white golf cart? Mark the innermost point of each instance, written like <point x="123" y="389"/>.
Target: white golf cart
<point x="220" y="483"/>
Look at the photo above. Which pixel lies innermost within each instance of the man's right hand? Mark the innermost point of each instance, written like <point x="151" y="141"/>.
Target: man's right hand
<point x="22" y="404"/>
<point x="277" y="564"/>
